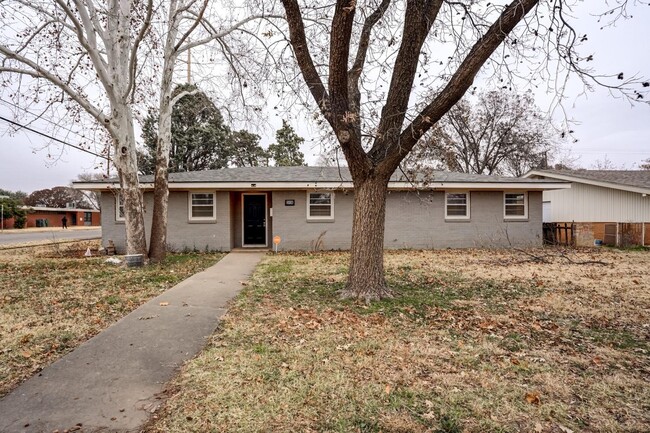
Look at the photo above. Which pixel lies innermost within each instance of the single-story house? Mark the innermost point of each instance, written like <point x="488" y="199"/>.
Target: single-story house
<point x="609" y="206"/>
<point x="311" y="208"/>
<point x="43" y="216"/>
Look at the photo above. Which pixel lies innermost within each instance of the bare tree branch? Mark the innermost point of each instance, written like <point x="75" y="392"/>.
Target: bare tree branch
<point x="459" y="82"/>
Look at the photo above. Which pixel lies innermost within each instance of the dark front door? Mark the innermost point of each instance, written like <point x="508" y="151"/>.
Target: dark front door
<point x="255" y="219"/>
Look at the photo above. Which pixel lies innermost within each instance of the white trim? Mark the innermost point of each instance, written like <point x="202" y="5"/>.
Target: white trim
<point x="214" y="206"/>
<point x="118" y="200"/>
<point x="266" y="217"/>
<point x="516" y="217"/>
<point x="320" y="218"/>
<point x="577" y="179"/>
<point x="248" y="186"/>
<point x="467" y="206"/>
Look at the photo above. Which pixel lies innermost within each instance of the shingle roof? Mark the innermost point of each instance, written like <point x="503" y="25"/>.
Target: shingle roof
<point x="318" y="174"/>
<point x="635" y="178"/>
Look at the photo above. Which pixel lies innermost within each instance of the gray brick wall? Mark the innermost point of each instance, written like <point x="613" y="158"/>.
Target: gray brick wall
<point x="297" y="233"/>
<point x="181" y="233"/>
<point x="413" y="220"/>
<point x="111" y="229"/>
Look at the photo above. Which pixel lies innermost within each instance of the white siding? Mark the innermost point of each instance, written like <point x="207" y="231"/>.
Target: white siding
<point x="588" y="203"/>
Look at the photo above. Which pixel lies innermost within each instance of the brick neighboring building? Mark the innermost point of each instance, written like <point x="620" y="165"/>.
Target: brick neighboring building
<point x="38" y="216"/>
<point x="612" y="206"/>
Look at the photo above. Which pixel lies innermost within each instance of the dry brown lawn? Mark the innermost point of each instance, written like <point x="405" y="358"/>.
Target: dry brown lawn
<point x="476" y="341"/>
<point x="52" y="299"/>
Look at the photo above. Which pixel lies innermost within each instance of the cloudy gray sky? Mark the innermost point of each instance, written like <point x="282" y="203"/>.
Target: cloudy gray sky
<point x="606" y="127"/>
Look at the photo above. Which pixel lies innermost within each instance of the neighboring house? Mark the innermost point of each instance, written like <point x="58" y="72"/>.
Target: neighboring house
<point x="612" y="206"/>
<point x="40" y="216"/>
<point x="311" y="208"/>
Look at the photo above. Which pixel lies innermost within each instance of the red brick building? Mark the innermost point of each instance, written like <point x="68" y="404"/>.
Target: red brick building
<point x="52" y="217"/>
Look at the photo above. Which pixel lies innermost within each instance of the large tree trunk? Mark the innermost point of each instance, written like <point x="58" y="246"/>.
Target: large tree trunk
<point x="366" y="278"/>
<point x="158" y="240"/>
<point x="126" y="162"/>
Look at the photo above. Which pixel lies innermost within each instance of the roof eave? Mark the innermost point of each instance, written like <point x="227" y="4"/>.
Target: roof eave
<point x="578" y="179"/>
<point x="530" y="186"/>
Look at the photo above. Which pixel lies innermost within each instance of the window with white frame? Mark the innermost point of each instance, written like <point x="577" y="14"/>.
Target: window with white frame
<point x="320" y="205"/>
<point x="457" y="205"/>
<point x="515" y="205"/>
<point x="119" y="207"/>
<point x="202" y="206"/>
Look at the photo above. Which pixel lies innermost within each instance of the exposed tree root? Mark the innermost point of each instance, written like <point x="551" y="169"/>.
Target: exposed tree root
<point x="368" y="294"/>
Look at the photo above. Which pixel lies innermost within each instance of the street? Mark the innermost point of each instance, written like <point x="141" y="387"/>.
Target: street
<point x="19" y="237"/>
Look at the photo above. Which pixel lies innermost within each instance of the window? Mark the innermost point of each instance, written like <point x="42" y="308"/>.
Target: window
<point x="320" y="205"/>
<point x="119" y="207"/>
<point x="515" y="205"/>
<point x="202" y="206"/>
<point x="457" y="205"/>
<point x="88" y="217"/>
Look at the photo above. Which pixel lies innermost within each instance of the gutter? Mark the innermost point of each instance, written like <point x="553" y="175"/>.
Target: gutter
<point x="394" y="186"/>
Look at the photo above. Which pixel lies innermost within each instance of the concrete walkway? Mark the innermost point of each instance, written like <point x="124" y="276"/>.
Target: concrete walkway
<point x="112" y="382"/>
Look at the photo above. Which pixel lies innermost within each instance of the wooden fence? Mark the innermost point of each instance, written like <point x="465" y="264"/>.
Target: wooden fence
<point x="559" y="233"/>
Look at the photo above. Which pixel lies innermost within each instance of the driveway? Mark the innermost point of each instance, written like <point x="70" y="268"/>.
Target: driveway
<point x="19" y="237"/>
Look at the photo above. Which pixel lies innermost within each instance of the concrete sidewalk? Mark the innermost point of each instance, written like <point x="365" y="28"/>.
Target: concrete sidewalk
<point x="113" y="381"/>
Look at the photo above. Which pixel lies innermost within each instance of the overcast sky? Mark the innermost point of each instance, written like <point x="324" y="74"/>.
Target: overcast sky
<point x="607" y="127"/>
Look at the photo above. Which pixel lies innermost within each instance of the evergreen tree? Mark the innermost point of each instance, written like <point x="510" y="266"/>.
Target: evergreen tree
<point x="286" y="150"/>
<point x="245" y="151"/>
<point x="199" y="135"/>
<point x="12" y="208"/>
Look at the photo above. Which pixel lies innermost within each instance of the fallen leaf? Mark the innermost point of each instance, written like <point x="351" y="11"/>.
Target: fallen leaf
<point x="565" y="429"/>
<point x="164" y="304"/>
<point x="387" y="389"/>
<point x="26" y="354"/>
<point x="533" y="398"/>
<point x="244" y="283"/>
<point x="538" y="428"/>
